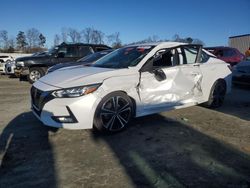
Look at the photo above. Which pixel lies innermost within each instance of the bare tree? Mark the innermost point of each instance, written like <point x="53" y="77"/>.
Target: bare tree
<point x="189" y="40"/>
<point x="97" y="37"/>
<point x="177" y="38"/>
<point x="114" y="40"/>
<point x="56" y="40"/>
<point x="4" y="38"/>
<point x="21" y="40"/>
<point x="64" y="33"/>
<point x="155" y="38"/>
<point x="42" y="40"/>
<point x="91" y="35"/>
<point x="74" y="35"/>
<point x="87" y="33"/>
<point x="33" y="37"/>
<point x="11" y="42"/>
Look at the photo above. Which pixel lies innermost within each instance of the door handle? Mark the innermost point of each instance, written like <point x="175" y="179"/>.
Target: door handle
<point x="196" y="65"/>
<point x="194" y="73"/>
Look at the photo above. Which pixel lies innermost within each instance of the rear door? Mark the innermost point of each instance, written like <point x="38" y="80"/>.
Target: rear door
<point x="66" y="54"/>
<point x="190" y="68"/>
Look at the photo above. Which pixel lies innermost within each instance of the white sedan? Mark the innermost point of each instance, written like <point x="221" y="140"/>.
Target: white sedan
<point x="132" y="81"/>
<point x="4" y="59"/>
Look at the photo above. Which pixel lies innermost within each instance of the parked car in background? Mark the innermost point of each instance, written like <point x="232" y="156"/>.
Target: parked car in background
<point x="241" y="73"/>
<point x="10" y="68"/>
<point x="132" y="81"/>
<point x="3" y="60"/>
<point x="36" y="66"/>
<point x="40" y="53"/>
<point x="87" y="60"/>
<point x="227" y="54"/>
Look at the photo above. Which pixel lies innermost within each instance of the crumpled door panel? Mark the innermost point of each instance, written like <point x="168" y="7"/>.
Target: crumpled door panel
<point x="177" y="88"/>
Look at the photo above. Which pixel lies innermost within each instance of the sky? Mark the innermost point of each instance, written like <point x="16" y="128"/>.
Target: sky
<point x="211" y="21"/>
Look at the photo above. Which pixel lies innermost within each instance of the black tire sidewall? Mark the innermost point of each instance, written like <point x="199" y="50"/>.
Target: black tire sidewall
<point x="210" y="102"/>
<point x="97" y="119"/>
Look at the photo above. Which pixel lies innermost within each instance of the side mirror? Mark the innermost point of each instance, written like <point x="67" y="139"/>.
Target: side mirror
<point x="159" y="75"/>
<point x="60" y="55"/>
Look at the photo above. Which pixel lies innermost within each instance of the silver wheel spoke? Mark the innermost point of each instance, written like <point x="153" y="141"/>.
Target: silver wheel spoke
<point x="115" y="113"/>
<point x="120" y="117"/>
<point x="124" y="108"/>
<point x="106" y="113"/>
<point x="114" y="103"/>
<point x="35" y="75"/>
<point x="117" y="103"/>
<point x="111" y="123"/>
<point x="107" y="110"/>
<point x="120" y="120"/>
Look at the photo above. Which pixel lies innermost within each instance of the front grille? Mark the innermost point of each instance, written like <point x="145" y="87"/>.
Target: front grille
<point x="39" y="98"/>
<point x="36" y="97"/>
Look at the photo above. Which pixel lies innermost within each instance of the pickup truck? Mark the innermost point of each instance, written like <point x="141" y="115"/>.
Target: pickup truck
<point x="35" y="66"/>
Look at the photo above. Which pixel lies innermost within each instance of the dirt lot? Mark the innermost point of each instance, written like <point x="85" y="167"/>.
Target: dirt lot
<point x="193" y="147"/>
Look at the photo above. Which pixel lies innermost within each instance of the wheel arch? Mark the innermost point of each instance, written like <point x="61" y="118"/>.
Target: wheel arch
<point x="38" y="65"/>
<point x="131" y="98"/>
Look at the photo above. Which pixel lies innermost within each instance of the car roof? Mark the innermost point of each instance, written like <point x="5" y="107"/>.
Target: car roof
<point x="83" y="44"/>
<point x="162" y="44"/>
<point x="218" y="48"/>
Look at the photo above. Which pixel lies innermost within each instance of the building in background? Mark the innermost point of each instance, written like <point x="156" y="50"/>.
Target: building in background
<point x="241" y="42"/>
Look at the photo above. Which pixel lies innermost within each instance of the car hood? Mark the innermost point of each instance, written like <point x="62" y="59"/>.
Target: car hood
<point x="28" y="58"/>
<point x="79" y="76"/>
<point x="61" y="65"/>
<point x="243" y="67"/>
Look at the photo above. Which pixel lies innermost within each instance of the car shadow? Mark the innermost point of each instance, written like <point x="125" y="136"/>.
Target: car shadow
<point x="160" y="152"/>
<point x="26" y="154"/>
<point x="237" y="103"/>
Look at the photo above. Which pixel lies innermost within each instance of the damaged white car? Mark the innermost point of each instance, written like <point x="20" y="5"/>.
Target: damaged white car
<point x="130" y="82"/>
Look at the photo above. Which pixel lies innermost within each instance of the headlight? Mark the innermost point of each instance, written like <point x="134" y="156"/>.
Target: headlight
<point x="76" y="91"/>
<point x="20" y="63"/>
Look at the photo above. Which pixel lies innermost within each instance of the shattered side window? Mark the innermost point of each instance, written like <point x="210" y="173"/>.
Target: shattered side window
<point x="191" y="54"/>
<point x="204" y="57"/>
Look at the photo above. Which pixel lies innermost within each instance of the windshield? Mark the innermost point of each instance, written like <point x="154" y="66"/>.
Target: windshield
<point x="53" y="50"/>
<point x="94" y="57"/>
<point x="124" y="57"/>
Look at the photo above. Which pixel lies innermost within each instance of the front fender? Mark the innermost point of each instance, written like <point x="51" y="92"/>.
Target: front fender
<point x="125" y="83"/>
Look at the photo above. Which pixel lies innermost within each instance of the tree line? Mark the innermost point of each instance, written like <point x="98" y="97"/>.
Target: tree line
<point x="33" y="40"/>
<point x="30" y="41"/>
<point x="88" y="35"/>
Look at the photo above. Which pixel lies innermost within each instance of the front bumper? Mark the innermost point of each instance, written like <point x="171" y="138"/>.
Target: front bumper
<point x="47" y="108"/>
<point x="21" y="71"/>
<point x="9" y="69"/>
<point x="2" y="68"/>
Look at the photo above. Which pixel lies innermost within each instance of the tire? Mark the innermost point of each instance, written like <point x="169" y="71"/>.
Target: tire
<point x="113" y="113"/>
<point x="35" y="73"/>
<point x="217" y="95"/>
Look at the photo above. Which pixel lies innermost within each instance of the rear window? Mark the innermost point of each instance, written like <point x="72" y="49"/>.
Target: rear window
<point x="85" y="50"/>
<point x="229" y="53"/>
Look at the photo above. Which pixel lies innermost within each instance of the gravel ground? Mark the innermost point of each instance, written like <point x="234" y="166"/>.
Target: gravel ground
<point x="192" y="147"/>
